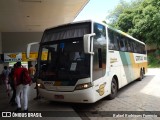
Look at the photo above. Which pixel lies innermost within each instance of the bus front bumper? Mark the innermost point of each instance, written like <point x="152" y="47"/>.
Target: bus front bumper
<point x="77" y="96"/>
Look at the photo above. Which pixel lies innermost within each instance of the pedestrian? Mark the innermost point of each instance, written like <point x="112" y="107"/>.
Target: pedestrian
<point x="11" y="81"/>
<point x="36" y="87"/>
<point x="5" y="74"/>
<point x="32" y="71"/>
<point x="21" y="87"/>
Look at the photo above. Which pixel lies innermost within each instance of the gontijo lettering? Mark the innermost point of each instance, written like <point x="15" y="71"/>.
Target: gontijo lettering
<point x="139" y="58"/>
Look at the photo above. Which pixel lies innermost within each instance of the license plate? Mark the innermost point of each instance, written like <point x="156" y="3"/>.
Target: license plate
<point x="59" y="96"/>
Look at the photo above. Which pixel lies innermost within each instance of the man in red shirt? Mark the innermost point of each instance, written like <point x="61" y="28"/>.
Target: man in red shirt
<point x="20" y="87"/>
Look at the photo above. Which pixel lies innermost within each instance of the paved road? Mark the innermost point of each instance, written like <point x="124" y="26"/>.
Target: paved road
<point x="138" y="96"/>
<point x="39" y="106"/>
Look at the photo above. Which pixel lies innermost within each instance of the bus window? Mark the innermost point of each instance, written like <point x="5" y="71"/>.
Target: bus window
<point x="111" y="39"/>
<point x="143" y="48"/>
<point x="130" y="45"/>
<point x="138" y="47"/>
<point x="99" y="48"/>
<point x="122" y="44"/>
<point x="113" y="45"/>
<point x="115" y="41"/>
<point x="134" y="47"/>
<point x="126" y="47"/>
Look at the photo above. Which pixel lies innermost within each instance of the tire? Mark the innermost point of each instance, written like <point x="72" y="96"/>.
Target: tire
<point x="114" y="89"/>
<point x="141" y="75"/>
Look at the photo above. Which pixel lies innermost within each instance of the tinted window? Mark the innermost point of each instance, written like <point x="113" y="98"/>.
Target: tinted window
<point x="130" y="45"/>
<point x="123" y="43"/>
<point x="113" y="37"/>
<point x="99" y="48"/>
<point x="64" y="61"/>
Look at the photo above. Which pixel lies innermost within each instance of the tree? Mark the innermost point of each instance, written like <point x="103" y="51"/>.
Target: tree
<point x="112" y="17"/>
<point x="125" y="20"/>
<point x="147" y="24"/>
<point x="142" y="21"/>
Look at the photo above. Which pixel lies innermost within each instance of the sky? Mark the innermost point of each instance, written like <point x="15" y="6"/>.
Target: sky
<point x="97" y="9"/>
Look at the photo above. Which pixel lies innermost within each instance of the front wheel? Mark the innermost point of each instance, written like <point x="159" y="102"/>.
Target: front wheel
<point x="114" y="89"/>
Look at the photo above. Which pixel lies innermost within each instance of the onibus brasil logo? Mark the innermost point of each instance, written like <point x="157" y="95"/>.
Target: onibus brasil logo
<point x="13" y="114"/>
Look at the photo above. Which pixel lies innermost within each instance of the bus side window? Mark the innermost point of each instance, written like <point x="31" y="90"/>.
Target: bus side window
<point x="111" y="39"/>
<point x="122" y="44"/>
<point x="113" y="44"/>
<point x="138" y="47"/>
<point x="144" y="51"/>
<point x="99" y="48"/>
<point x="125" y="43"/>
<point x="118" y="41"/>
<point x="129" y="45"/>
<point x="134" y="47"/>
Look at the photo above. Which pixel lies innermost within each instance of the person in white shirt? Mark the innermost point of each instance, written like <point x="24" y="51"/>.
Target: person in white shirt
<point x="5" y="73"/>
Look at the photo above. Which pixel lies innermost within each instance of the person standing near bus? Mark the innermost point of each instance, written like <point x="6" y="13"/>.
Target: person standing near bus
<point x="20" y="87"/>
<point x="32" y="71"/>
<point x="5" y="74"/>
<point x="11" y="81"/>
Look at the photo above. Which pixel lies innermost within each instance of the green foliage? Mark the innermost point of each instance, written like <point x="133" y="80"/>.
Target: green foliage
<point x="153" y="61"/>
<point x="140" y="18"/>
<point x="113" y="16"/>
<point x="125" y="21"/>
<point x="146" y="24"/>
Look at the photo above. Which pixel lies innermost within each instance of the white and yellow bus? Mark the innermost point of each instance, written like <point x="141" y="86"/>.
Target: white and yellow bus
<point x="87" y="61"/>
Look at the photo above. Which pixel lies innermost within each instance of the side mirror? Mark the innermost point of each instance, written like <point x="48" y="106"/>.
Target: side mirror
<point x="87" y="43"/>
<point x="29" y="48"/>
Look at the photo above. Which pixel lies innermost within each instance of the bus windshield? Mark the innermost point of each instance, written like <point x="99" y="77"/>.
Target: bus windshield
<point x="64" y="61"/>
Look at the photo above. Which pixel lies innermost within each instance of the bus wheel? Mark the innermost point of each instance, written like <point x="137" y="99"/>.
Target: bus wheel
<point x="114" y="89"/>
<point x="141" y="75"/>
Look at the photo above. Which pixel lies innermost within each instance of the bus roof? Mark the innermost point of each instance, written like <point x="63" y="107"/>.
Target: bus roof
<point x="108" y="26"/>
<point x="71" y="23"/>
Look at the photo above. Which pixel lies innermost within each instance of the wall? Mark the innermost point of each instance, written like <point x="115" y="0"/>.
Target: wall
<point x="17" y="41"/>
<point x="151" y="47"/>
<point x="0" y="43"/>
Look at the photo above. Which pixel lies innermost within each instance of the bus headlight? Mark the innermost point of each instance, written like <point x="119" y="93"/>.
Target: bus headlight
<point x="83" y="86"/>
<point x="40" y="85"/>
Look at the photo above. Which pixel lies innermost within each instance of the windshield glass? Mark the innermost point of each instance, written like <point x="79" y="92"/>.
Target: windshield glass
<point x="64" y="61"/>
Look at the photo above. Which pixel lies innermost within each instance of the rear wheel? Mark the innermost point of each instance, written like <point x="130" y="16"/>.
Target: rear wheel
<point x="114" y="89"/>
<point x="141" y="75"/>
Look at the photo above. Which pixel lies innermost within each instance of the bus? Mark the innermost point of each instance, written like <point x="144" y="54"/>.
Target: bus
<point x="86" y="61"/>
